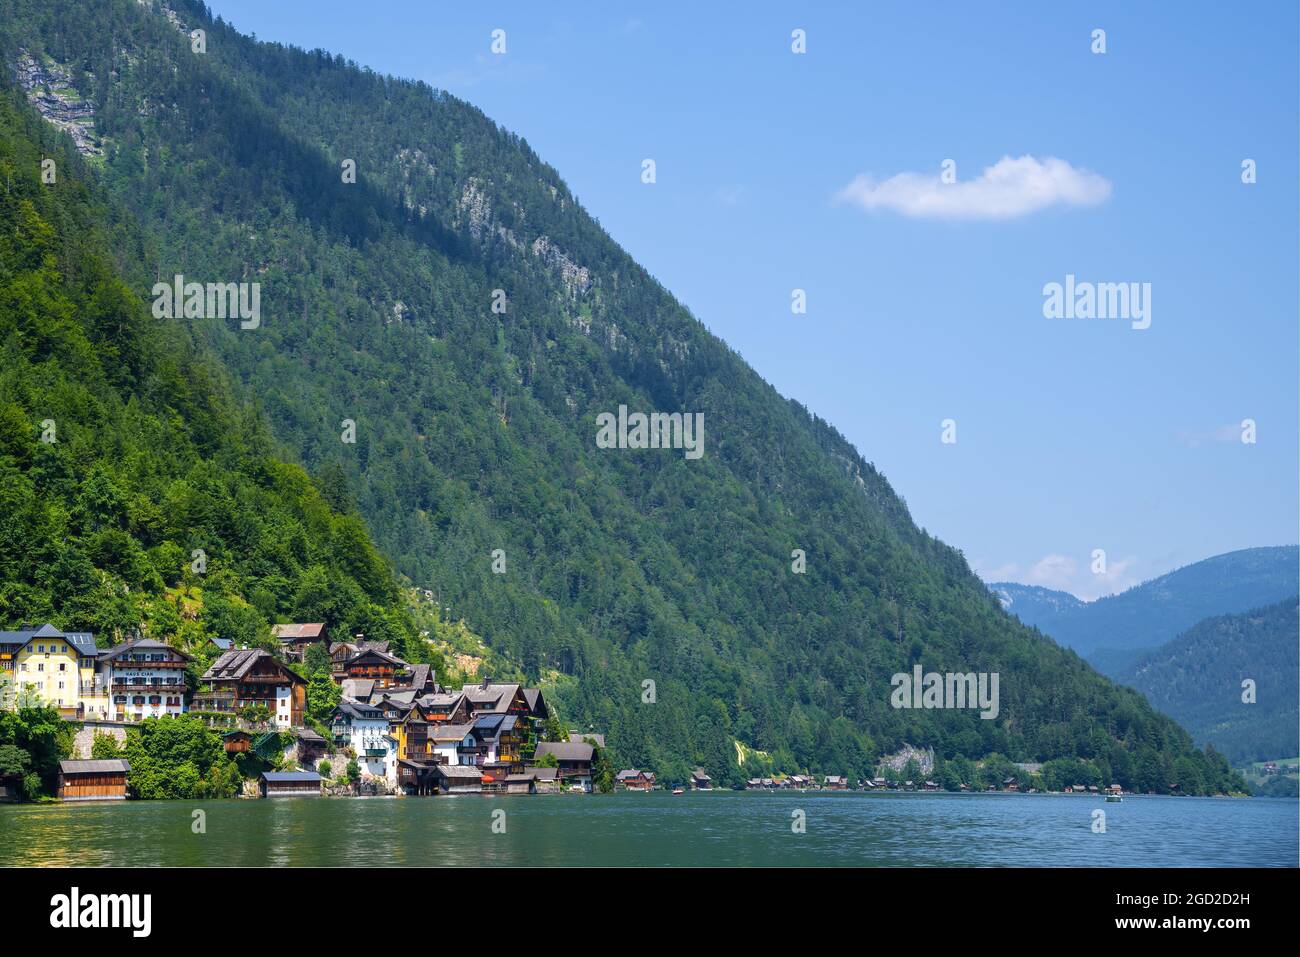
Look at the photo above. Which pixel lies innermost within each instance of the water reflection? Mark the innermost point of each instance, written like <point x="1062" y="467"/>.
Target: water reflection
<point x="656" y="829"/>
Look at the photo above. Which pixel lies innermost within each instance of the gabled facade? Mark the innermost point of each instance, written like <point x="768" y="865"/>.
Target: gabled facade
<point x="387" y="671"/>
<point x="145" y="679"/>
<point x="365" y="730"/>
<point x="53" y="667"/>
<point x="248" y="676"/>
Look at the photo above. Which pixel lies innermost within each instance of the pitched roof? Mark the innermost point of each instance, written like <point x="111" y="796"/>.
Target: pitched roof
<point x="222" y="643"/>
<point x="299" y="632"/>
<point x="491" y="697"/>
<point x="274" y="776"/>
<point x="566" y="750"/>
<point x="94" y="767"/>
<point x="358" y="709"/>
<point x="419" y="676"/>
<point x="234" y="664"/>
<point x="627" y="773"/>
<point x="140" y="644"/>
<point x="442" y="701"/>
<point x="376" y="653"/>
<point x="449" y="732"/>
<point x="460" y="772"/>
<point x="83" y="641"/>
<point x="543" y="774"/>
<point x="360" y="689"/>
<point x="575" y="735"/>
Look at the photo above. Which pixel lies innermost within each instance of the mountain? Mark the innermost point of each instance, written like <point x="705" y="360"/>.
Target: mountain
<point x="135" y="491"/>
<point x="1111" y="632"/>
<point x="1197" y="679"/>
<point x="1034" y="604"/>
<point x="459" y="314"/>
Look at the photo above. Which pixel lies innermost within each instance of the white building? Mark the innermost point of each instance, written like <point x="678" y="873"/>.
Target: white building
<point x="364" y="728"/>
<point x="144" y="678"/>
<point x="450" y="741"/>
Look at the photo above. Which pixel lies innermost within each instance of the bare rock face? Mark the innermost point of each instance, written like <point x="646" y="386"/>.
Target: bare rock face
<point x="49" y="88"/>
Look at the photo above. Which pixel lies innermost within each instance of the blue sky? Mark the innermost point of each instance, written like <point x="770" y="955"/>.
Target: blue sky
<point x="1072" y="435"/>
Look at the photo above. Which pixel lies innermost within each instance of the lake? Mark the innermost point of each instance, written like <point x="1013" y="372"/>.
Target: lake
<point x="658" y="829"/>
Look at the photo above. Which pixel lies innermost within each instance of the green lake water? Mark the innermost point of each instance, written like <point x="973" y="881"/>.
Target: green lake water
<point x="659" y="829"/>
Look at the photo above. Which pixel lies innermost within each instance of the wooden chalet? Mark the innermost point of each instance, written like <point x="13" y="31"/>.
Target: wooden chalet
<point x="574" y="762"/>
<point x="445" y="708"/>
<point x="387" y="671"/>
<point x="632" y="779"/>
<point x="700" y="780"/>
<point x="249" y="676"/>
<point x="237" y="742"/>
<point x="103" y="780"/>
<point x="297" y="638"/>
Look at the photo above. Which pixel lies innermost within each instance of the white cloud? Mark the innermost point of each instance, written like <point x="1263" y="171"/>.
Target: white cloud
<point x="1224" y="434"/>
<point x="1063" y="573"/>
<point x="1005" y="190"/>
<point x="1053" y="571"/>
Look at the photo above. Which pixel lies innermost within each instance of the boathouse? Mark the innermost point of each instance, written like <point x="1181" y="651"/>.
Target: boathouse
<point x="289" y="784"/>
<point x="103" y="780"/>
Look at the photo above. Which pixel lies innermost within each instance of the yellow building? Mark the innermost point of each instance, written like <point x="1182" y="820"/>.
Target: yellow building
<point x="47" y="666"/>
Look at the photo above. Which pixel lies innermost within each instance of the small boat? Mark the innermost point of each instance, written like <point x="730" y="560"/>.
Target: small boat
<point x="678" y="791"/>
<point x="1114" y="799"/>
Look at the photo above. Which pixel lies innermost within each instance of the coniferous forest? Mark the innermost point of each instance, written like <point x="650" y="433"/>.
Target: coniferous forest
<point x="473" y="430"/>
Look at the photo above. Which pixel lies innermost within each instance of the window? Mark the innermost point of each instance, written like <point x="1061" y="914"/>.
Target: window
<point x="63" y="666"/>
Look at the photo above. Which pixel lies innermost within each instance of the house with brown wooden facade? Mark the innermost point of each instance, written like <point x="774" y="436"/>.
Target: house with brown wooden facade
<point x="251" y="676"/>
<point x="295" y="639"/>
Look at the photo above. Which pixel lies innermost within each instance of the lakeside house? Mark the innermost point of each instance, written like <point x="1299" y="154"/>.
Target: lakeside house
<point x="457" y="779"/>
<point x="289" y="784"/>
<point x="365" y="729"/>
<point x="701" y="781"/>
<point x="146" y="679"/>
<point x="836" y="782"/>
<point x="250" y="676"/>
<point x="573" y="760"/>
<point x="633" y="779"/>
<point x="56" y="668"/>
<point x="103" y="780"/>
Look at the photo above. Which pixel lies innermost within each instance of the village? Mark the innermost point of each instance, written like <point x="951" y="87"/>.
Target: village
<point x="394" y="731"/>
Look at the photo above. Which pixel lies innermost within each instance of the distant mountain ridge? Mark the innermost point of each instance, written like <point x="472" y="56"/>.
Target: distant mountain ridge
<point x="1197" y="680"/>
<point x="1034" y="603"/>
<point x="1112" y="631"/>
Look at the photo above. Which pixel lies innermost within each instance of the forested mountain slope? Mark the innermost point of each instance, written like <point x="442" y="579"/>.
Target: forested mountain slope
<point x="1197" y="679"/>
<point x="475" y="430"/>
<point x="136" y="493"/>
